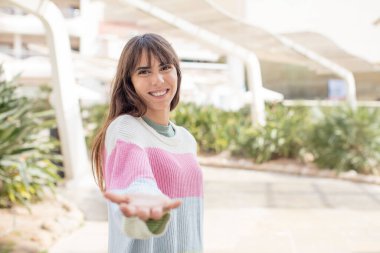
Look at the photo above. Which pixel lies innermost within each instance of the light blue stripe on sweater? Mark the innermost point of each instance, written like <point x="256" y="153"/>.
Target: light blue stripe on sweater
<point x="184" y="233"/>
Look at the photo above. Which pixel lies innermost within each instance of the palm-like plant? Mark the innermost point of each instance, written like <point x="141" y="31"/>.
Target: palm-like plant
<point x="346" y="139"/>
<point x="26" y="150"/>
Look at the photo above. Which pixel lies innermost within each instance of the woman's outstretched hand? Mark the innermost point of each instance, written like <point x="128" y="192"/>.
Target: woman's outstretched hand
<point x="143" y="206"/>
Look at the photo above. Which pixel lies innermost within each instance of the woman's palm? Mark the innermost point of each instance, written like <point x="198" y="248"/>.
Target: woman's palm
<point x="143" y="206"/>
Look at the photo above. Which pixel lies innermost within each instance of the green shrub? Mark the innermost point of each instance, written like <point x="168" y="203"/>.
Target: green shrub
<point x="210" y="126"/>
<point x="93" y="117"/>
<point x="337" y="138"/>
<point x="282" y="136"/>
<point x="344" y="139"/>
<point x="216" y="130"/>
<point x="26" y="149"/>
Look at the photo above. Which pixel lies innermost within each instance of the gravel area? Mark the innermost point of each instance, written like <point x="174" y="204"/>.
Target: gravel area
<point x="36" y="228"/>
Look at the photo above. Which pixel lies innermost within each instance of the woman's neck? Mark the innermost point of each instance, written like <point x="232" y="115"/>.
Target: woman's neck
<point x="158" y="118"/>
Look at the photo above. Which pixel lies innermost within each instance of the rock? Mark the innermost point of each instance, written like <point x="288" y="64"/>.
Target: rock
<point x="20" y="210"/>
<point x="308" y="157"/>
<point x="51" y="227"/>
<point x="26" y="247"/>
<point x="43" y="238"/>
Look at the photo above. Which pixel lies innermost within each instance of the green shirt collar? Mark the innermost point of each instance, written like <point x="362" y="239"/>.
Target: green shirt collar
<point x="167" y="131"/>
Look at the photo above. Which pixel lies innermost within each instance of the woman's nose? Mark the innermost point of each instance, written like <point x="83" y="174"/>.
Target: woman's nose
<point x="158" y="79"/>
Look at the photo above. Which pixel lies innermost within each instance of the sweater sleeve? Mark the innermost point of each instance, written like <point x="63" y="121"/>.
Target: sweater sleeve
<point x="127" y="170"/>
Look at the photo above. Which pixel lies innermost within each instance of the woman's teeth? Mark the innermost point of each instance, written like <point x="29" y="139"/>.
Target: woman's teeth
<point x="158" y="93"/>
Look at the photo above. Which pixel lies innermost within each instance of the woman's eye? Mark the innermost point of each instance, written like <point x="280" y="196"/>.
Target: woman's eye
<point x="166" y="67"/>
<point x="143" y="72"/>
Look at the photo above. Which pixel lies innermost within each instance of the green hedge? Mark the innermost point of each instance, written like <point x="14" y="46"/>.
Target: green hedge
<point x="282" y="136"/>
<point x="27" y="152"/>
<point x="93" y="117"/>
<point x="345" y="139"/>
<point x="211" y="127"/>
<point x="338" y="138"/>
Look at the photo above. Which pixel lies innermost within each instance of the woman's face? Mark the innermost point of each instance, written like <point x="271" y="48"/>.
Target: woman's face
<point x="156" y="84"/>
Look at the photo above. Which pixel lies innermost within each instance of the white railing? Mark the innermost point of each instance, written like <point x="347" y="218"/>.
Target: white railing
<point x="328" y="103"/>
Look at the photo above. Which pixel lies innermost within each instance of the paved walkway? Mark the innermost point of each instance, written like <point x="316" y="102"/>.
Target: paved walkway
<point x="261" y="212"/>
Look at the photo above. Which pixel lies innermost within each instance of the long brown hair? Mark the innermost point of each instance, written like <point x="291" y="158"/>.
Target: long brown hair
<point x="124" y="99"/>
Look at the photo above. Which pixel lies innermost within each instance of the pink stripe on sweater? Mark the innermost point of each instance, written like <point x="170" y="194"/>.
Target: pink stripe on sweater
<point x="177" y="175"/>
<point x="125" y="164"/>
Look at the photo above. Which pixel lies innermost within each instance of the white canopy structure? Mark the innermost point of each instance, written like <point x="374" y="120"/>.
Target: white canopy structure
<point x="197" y="20"/>
<point x="209" y="24"/>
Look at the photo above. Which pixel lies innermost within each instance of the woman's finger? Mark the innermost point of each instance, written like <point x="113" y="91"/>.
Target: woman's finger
<point x="156" y="213"/>
<point x="175" y="203"/>
<point x="117" y="198"/>
<point x="172" y="204"/>
<point x="128" y="210"/>
<point x="143" y="213"/>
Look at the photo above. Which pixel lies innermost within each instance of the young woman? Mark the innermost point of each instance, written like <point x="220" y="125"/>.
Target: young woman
<point x="145" y="164"/>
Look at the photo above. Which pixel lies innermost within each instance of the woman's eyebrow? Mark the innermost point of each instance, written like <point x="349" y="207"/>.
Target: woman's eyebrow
<point x="142" y="68"/>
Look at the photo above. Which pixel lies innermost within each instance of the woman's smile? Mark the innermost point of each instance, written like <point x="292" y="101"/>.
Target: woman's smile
<point x="159" y="93"/>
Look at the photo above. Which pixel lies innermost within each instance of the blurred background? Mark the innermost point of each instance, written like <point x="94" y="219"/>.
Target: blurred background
<point x="276" y="86"/>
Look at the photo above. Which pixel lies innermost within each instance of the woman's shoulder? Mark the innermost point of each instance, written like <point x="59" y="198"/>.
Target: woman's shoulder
<point x="124" y="119"/>
<point x="184" y="131"/>
<point x="187" y="136"/>
<point x="123" y="127"/>
<point x="127" y="129"/>
<point x="122" y="123"/>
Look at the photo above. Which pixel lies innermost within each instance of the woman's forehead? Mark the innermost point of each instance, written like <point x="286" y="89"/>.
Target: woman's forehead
<point x="146" y="59"/>
<point x="149" y="58"/>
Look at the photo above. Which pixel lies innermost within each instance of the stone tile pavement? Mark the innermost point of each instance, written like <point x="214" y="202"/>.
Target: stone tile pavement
<point x="260" y="212"/>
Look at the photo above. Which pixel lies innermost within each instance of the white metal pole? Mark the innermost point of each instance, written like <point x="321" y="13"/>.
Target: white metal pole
<point x="256" y="87"/>
<point x="65" y="95"/>
<point x="236" y="72"/>
<point x="89" y="15"/>
<point x="17" y="45"/>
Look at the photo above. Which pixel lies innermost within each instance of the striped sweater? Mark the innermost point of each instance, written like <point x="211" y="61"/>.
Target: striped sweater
<point x="140" y="160"/>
